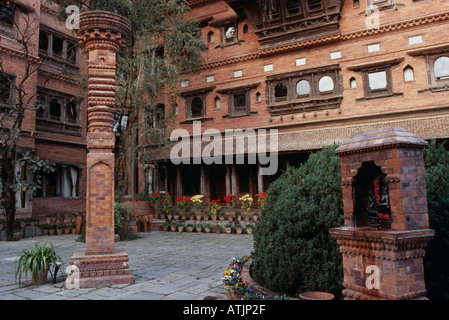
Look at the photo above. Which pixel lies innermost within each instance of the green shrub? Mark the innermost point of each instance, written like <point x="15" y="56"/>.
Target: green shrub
<point x="293" y="251"/>
<point x="436" y="261"/>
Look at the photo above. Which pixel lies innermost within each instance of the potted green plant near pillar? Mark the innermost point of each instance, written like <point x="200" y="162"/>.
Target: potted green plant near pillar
<point x="35" y="263"/>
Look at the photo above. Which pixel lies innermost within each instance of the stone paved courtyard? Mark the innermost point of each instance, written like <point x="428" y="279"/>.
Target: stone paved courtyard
<point x="165" y="266"/>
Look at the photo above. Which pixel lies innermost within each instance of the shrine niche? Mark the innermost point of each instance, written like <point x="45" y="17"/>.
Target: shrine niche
<point x="385" y="214"/>
<point x="372" y="205"/>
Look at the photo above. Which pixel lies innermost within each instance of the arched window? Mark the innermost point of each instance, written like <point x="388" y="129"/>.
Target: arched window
<point x="303" y="88"/>
<point x="217" y="102"/>
<point x="326" y="84"/>
<point x="441" y="68"/>
<point x="210" y="37"/>
<point x="196" y="107"/>
<point x="280" y="91"/>
<point x="258" y="97"/>
<point x="245" y="28"/>
<point x="352" y="83"/>
<point x="409" y="74"/>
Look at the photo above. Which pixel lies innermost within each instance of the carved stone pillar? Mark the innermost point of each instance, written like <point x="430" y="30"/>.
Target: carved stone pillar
<point x="102" y="34"/>
<point x="385" y="213"/>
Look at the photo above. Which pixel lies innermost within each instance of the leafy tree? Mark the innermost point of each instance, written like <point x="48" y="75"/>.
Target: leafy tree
<point x="293" y="251"/>
<point x="162" y="47"/>
<point x="436" y="260"/>
<point x="17" y="105"/>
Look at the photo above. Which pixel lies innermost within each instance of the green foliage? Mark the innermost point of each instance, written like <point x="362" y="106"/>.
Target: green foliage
<point x="293" y="251"/>
<point x="121" y="213"/>
<point x="34" y="261"/>
<point x="436" y="260"/>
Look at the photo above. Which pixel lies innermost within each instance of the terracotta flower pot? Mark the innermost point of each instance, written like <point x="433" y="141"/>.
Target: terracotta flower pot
<point x="316" y="295"/>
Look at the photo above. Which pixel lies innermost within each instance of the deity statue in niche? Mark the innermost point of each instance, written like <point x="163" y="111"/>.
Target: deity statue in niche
<point x="379" y="215"/>
<point x="372" y="205"/>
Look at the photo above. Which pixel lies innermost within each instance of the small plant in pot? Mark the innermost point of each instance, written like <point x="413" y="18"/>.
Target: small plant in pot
<point x="35" y="263"/>
<point x="228" y="227"/>
<point x="238" y="228"/>
<point x="249" y="228"/>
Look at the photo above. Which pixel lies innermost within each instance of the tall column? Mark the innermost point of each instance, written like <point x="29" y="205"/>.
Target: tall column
<point x="259" y="179"/>
<point x="178" y="181"/>
<point x="102" y="34"/>
<point x="228" y="179"/>
<point x="203" y="181"/>
<point x="233" y="180"/>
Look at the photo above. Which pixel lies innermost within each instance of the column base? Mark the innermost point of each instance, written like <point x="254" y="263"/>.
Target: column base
<point x="96" y="271"/>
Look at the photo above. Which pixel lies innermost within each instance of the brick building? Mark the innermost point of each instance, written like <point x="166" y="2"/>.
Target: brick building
<point x="318" y="71"/>
<point x="57" y="132"/>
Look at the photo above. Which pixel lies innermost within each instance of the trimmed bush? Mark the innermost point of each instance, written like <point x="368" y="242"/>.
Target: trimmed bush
<point x="293" y="251"/>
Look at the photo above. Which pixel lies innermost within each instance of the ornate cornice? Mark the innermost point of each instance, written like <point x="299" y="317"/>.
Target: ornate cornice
<point x="439" y="17"/>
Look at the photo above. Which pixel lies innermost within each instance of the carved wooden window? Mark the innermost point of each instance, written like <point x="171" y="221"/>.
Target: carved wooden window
<point x="380" y="4"/>
<point x="7" y="18"/>
<point x="58" y="112"/>
<point x="239" y="103"/>
<point x="196" y="107"/>
<point x="294" y="8"/>
<point x="56" y="47"/>
<point x="378" y="82"/>
<point x="306" y="90"/>
<point x="6" y="90"/>
<point x="229" y="34"/>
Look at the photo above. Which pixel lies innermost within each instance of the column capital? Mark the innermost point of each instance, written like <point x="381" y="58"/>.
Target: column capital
<point x="103" y="30"/>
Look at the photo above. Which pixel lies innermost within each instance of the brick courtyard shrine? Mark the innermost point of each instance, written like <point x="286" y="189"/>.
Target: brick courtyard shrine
<point x="386" y="224"/>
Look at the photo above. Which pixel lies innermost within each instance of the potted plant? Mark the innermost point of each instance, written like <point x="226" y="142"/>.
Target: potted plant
<point x="59" y="228"/>
<point x="51" y="229"/>
<point x="238" y="215"/>
<point x="66" y="227"/>
<point x="238" y="228"/>
<point x="166" y="205"/>
<point x="191" y="215"/>
<point x="255" y="216"/>
<point x="72" y="228"/>
<point x="217" y="228"/>
<point x="180" y="226"/>
<point x="206" y="216"/>
<point x="173" y="225"/>
<point x="207" y="227"/>
<point x="48" y="218"/>
<point x="197" y="202"/>
<point x="199" y="227"/>
<point x="165" y="226"/>
<point x="214" y="208"/>
<point x="229" y="199"/>
<point x="246" y="216"/>
<point x="221" y="215"/>
<point x="189" y="227"/>
<point x="45" y="229"/>
<point x="35" y="263"/>
<point x="261" y="197"/>
<point x="176" y="216"/>
<point x="53" y="218"/>
<point x="154" y="201"/>
<point x="230" y="216"/>
<point x="249" y="228"/>
<point x="183" y="204"/>
<point x="246" y="202"/>
<point x="228" y="228"/>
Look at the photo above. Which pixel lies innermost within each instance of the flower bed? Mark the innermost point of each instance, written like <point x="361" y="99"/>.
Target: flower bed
<point x="239" y="285"/>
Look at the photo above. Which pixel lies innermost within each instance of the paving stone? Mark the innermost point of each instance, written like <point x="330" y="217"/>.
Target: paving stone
<point x="165" y="266"/>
